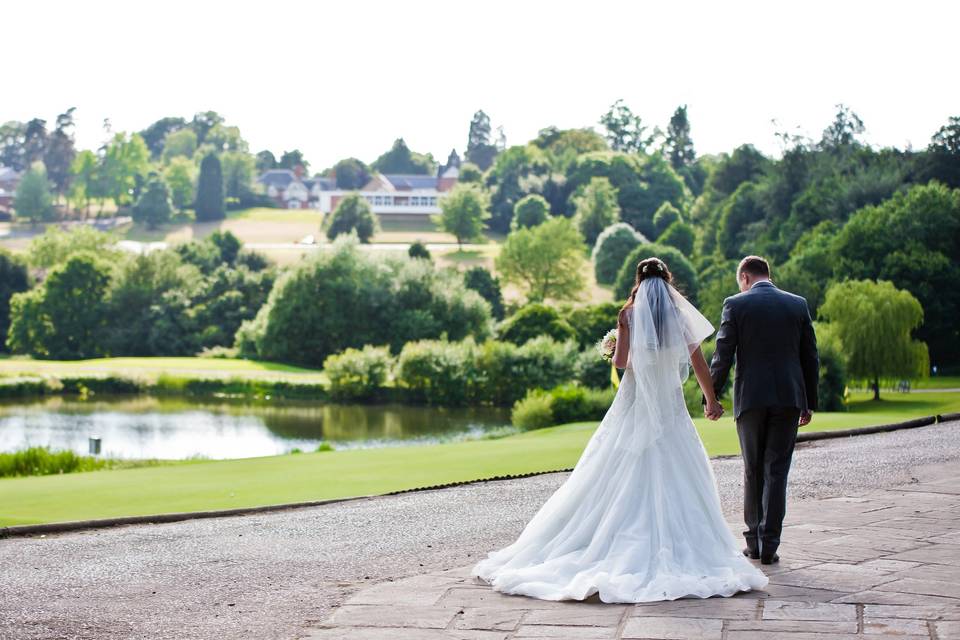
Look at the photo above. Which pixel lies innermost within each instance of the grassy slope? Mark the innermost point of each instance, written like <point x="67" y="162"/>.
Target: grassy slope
<point x="258" y="481"/>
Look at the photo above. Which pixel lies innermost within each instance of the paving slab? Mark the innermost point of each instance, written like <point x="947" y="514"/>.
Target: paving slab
<point x="880" y="564"/>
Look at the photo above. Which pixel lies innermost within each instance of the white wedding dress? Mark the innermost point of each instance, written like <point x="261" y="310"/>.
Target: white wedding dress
<point x="639" y="519"/>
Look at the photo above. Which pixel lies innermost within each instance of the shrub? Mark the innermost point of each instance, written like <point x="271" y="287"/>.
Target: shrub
<point x="482" y="281"/>
<point x="536" y="320"/>
<point x="352" y="213"/>
<point x="357" y="374"/>
<point x="591" y="370"/>
<point x="684" y="275"/>
<point x="530" y="211"/>
<point x="438" y="372"/>
<point x="534" y="411"/>
<point x="418" y="250"/>
<point x="612" y="247"/>
<point x="569" y="403"/>
<point x="592" y="322"/>
<point x="679" y="235"/>
<point x="41" y="461"/>
<point x="832" y="383"/>
<point x="13" y="279"/>
<point x="545" y="363"/>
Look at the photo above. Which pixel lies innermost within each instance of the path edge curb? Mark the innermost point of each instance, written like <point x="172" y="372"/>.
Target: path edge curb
<point x="24" y="530"/>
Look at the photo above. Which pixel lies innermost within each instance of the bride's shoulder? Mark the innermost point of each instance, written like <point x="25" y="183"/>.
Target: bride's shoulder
<point x="625" y="315"/>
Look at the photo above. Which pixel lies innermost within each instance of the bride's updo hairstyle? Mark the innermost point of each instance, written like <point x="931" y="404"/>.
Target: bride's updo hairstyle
<point x="649" y="268"/>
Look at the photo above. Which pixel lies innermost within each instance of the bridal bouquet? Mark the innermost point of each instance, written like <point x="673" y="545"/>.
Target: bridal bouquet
<point x="607" y="345"/>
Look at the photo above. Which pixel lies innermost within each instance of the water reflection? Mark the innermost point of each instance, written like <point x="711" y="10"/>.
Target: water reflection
<point x="179" y="428"/>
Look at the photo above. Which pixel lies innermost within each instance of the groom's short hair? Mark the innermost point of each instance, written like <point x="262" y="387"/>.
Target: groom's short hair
<point x="755" y="266"/>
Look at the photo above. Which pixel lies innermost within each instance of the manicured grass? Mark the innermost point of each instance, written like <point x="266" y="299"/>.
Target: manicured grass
<point x="189" y="486"/>
<point x="938" y="382"/>
<point x="265" y="214"/>
<point x="186" y="367"/>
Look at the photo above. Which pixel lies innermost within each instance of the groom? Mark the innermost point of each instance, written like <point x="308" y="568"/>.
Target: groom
<point x="770" y="334"/>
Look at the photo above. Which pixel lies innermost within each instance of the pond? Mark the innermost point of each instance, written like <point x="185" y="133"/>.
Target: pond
<point x="176" y="428"/>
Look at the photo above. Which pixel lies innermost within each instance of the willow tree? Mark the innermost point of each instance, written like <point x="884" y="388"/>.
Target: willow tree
<point x="873" y="321"/>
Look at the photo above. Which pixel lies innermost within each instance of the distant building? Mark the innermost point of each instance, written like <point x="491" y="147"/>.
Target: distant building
<point x="388" y="194"/>
<point x="290" y="190"/>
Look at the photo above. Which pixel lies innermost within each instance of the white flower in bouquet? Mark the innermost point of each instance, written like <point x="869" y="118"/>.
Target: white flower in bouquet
<point x="607" y="345"/>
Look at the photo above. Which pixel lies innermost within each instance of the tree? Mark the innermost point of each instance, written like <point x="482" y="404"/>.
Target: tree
<point x="746" y="164"/>
<point x="33" y="200"/>
<point x="351" y="174"/>
<point x="624" y="130"/>
<point x="153" y="207"/>
<point x="223" y="138"/>
<point x="238" y="169"/>
<point x="345" y="297"/>
<point x="85" y="172"/>
<point x="178" y="175"/>
<point x="470" y="172"/>
<point x="546" y="261"/>
<point x="643" y="184"/>
<point x="684" y="275"/>
<point x="678" y="143"/>
<point x="738" y="220"/>
<point x="399" y="159"/>
<point x="479" y="149"/>
<point x="530" y="211"/>
<point x="179" y="143"/>
<point x="665" y="216"/>
<point x="60" y="151"/>
<point x="514" y="174"/>
<point x="611" y="248"/>
<point x="463" y="211"/>
<point x="942" y="160"/>
<point x="13" y="279"/>
<point x="65" y="317"/>
<point x="913" y="241"/>
<point x="126" y="160"/>
<point x="265" y="160"/>
<point x="482" y="281"/>
<point x="12" y="135"/>
<point x="679" y="235"/>
<point x="353" y="214"/>
<point x="535" y="320"/>
<point x="34" y="141"/>
<point x="210" y="200"/>
<point x="291" y="159"/>
<point x="564" y="145"/>
<point x="203" y="122"/>
<point x="55" y="246"/>
<point x="597" y="208"/>
<point x="843" y="131"/>
<point x="873" y="321"/>
<point x="155" y="135"/>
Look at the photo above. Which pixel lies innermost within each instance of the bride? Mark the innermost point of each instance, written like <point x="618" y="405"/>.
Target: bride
<point x="639" y="519"/>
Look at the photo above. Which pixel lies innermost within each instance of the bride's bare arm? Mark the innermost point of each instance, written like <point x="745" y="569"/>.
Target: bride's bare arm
<point x="702" y="371"/>
<point x="622" y="350"/>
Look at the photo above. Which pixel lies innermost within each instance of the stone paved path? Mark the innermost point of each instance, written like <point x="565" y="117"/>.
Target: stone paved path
<point x="879" y="564"/>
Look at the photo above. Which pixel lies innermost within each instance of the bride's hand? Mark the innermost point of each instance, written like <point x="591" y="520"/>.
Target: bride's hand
<point x="713" y="410"/>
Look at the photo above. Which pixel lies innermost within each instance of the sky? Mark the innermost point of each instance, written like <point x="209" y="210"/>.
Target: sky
<point x="341" y="79"/>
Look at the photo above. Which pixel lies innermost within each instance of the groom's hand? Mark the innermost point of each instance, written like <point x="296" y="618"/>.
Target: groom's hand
<point x="806" y="417"/>
<point x="713" y="410"/>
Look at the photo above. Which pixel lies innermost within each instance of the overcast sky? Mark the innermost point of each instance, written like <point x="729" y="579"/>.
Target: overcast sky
<point x="339" y="79"/>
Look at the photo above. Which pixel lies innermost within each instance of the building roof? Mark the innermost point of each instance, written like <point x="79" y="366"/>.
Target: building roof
<point x="326" y="184"/>
<point x="279" y="178"/>
<point x="412" y="182"/>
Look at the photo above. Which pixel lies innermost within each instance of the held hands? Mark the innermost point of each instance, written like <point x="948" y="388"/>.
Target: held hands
<point x="712" y="410"/>
<point x="806" y="417"/>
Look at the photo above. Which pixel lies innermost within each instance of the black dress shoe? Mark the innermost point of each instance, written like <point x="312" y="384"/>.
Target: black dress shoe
<point x="751" y="553"/>
<point x="768" y="559"/>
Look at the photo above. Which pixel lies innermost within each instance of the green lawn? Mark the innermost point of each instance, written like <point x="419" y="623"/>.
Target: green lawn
<point x="938" y="382"/>
<point x="227" y="484"/>
<point x="200" y="367"/>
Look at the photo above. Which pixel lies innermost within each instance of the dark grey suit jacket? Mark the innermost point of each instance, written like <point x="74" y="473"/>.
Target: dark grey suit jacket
<point x="770" y="334"/>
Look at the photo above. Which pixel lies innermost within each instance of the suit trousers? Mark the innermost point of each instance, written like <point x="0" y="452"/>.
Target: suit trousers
<point x="767" y="437"/>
